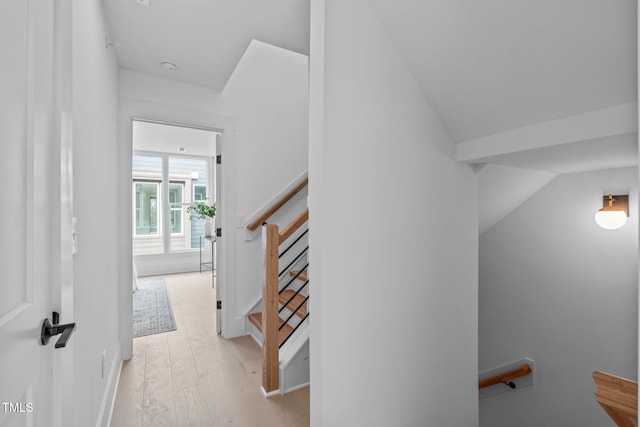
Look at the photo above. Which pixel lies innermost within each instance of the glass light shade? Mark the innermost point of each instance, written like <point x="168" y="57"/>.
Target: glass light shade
<point x="611" y="219"/>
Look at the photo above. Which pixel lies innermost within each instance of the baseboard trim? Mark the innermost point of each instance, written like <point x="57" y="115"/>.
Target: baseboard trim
<point x="270" y="394"/>
<point x="298" y="387"/>
<point x="109" y="398"/>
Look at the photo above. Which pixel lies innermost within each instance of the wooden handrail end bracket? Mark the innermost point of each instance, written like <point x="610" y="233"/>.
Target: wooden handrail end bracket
<point x="506" y="376"/>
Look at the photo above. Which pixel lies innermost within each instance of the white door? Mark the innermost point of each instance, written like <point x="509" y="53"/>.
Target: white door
<point x="30" y="218"/>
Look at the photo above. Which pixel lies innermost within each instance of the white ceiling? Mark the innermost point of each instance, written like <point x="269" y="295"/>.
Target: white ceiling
<point x="205" y="38"/>
<point x="493" y="65"/>
<point x="486" y="66"/>
<point x="172" y="139"/>
<point x="498" y="72"/>
<point x="534" y="88"/>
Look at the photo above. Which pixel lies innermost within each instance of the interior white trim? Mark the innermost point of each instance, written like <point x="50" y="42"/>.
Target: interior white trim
<point x="617" y="120"/>
<point x="271" y="393"/>
<point x="182" y="125"/>
<point x="130" y="109"/>
<point x="298" y="387"/>
<point x="294" y="345"/>
<point x="110" y="392"/>
<point x="526" y="381"/>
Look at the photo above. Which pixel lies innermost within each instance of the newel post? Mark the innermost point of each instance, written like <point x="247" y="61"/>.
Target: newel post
<point x="270" y="347"/>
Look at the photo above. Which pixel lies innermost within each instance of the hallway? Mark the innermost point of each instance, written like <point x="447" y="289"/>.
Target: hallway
<point x="193" y="377"/>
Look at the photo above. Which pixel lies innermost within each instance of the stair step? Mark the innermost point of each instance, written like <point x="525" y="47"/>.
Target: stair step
<point x="295" y="302"/>
<point x="256" y="319"/>
<point x="302" y="276"/>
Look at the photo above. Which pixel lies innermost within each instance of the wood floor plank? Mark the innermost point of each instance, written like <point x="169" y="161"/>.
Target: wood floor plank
<point x="192" y="408"/>
<point x="192" y="376"/>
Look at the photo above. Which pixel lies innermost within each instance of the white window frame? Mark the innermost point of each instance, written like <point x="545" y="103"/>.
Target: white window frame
<point x="180" y="208"/>
<point x="193" y="192"/>
<point x="158" y="208"/>
<point x="165" y="179"/>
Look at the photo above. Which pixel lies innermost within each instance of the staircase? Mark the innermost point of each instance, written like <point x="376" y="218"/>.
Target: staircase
<point x="278" y="322"/>
<point x="291" y="303"/>
<point x="618" y="397"/>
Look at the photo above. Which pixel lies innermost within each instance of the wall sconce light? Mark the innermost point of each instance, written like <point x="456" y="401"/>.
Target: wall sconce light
<point x="614" y="213"/>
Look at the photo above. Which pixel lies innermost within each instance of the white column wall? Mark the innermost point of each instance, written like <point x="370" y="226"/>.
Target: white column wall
<point x="268" y="92"/>
<point x="95" y="163"/>
<point x="394" y="232"/>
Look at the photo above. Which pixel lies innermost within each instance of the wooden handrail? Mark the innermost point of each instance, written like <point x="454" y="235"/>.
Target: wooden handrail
<point x="277" y="205"/>
<point x="522" y="371"/>
<point x="294" y="225"/>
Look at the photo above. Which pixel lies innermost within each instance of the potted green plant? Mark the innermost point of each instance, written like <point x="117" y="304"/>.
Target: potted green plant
<point x="201" y="210"/>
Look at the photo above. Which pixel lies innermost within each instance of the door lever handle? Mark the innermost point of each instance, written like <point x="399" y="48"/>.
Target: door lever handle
<point x="48" y="330"/>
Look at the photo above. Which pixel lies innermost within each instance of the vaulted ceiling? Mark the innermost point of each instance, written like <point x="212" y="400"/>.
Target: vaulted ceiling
<point x="204" y="38"/>
<point x="544" y="85"/>
<point x="493" y="65"/>
<point x="486" y="66"/>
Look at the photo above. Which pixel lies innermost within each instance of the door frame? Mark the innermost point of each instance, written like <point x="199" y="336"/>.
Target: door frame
<point x="63" y="226"/>
<point x="225" y="248"/>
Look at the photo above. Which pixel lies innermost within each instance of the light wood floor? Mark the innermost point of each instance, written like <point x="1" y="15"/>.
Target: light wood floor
<point x="193" y="377"/>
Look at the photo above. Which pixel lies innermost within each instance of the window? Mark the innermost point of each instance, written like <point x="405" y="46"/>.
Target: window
<point x="176" y="191"/>
<point x="146" y="208"/>
<point x="188" y="182"/>
<point x="165" y="182"/>
<point x="163" y="187"/>
<point x="199" y="192"/>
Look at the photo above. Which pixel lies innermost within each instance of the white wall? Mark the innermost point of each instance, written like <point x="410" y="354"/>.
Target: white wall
<point x="268" y="93"/>
<point x="559" y="289"/>
<point x="393" y="229"/>
<point x="156" y="99"/>
<point x="504" y="188"/>
<point x="263" y="112"/>
<point x="95" y="91"/>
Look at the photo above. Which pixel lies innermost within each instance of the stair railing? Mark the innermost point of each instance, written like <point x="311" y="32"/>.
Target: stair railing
<point x="277" y="205"/>
<point x="506" y="377"/>
<point x="272" y="239"/>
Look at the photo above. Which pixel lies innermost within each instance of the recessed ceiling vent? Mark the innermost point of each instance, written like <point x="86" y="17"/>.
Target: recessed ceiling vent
<point x="168" y="66"/>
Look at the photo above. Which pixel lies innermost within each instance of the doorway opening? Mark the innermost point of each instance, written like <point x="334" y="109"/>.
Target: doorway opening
<point x="174" y="196"/>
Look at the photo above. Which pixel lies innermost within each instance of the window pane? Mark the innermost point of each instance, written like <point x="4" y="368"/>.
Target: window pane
<point x="147" y="206"/>
<point x="199" y="192"/>
<point x="146" y="217"/>
<point x="188" y="177"/>
<point x="176" y="191"/>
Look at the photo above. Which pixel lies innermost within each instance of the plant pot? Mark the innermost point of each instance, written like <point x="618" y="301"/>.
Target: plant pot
<point x="209" y="227"/>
